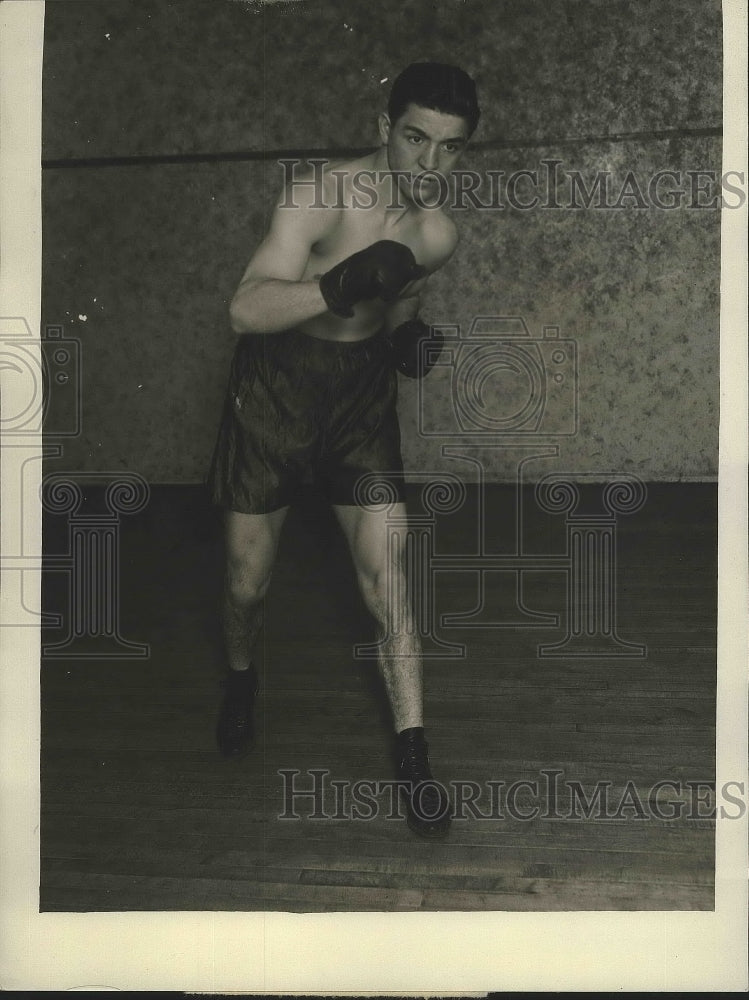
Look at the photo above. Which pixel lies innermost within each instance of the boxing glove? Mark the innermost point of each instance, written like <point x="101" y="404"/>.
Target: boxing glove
<point x="407" y="353"/>
<point x="382" y="269"/>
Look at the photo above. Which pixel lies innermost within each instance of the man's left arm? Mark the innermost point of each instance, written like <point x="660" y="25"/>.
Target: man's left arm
<point x="443" y="241"/>
<point x="415" y="346"/>
<point x="405" y="308"/>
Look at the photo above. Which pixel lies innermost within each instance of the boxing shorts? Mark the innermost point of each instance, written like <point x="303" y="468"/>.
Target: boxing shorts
<point x="301" y="411"/>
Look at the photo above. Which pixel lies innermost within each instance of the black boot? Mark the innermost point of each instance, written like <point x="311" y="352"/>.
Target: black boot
<point x="235" y="730"/>
<point x="427" y="804"/>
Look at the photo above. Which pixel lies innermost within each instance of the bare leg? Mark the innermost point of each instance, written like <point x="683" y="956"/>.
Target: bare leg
<point x="251" y="544"/>
<point x="382" y="579"/>
<point x="382" y="573"/>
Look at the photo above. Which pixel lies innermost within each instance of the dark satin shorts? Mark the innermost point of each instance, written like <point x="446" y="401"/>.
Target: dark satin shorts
<point x="302" y="411"/>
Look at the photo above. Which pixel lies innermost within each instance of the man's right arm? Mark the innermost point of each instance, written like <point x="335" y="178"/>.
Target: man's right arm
<point x="271" y="296"/>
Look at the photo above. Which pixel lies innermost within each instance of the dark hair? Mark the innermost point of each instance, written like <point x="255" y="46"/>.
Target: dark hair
<point x="438" y="86"/>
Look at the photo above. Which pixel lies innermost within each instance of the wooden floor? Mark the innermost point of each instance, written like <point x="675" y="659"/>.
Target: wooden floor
<point x="139" y="812"/>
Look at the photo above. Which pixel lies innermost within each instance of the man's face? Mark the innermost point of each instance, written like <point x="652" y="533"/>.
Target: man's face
<point x="423" y="141"/>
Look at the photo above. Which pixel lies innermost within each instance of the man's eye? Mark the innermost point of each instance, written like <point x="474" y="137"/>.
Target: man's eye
<point x="414" y="138"/>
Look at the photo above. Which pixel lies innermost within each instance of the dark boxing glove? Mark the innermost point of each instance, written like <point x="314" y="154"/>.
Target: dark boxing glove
<point x="383" y="269"/>
<point x="408" y="354"/>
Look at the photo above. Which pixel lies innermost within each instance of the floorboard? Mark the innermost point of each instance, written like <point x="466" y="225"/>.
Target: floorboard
<point x="139" y="812"/>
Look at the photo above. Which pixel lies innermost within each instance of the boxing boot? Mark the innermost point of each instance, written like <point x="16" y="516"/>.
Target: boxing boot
<point x="235" y="729"/>
<point x="426" y="801"/>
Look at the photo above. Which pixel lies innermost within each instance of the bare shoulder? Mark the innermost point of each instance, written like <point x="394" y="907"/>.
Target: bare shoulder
<point x="315" y="184"/>
<point x="307" y="203"/>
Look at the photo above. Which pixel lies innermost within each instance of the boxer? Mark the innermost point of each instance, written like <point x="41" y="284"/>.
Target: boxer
<point x="327" y="313"/>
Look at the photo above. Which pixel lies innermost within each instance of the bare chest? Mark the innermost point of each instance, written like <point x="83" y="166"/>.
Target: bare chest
<point x="356" y="229"/>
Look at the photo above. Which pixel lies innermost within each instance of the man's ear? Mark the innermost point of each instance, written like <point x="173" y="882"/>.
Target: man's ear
<point x="383" y="124"/>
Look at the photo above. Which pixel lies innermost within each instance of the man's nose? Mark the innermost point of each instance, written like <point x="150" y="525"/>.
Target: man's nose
<point x="429" y="158"/>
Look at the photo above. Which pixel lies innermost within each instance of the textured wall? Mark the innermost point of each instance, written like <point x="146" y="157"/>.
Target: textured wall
<point x="149" y="252"/>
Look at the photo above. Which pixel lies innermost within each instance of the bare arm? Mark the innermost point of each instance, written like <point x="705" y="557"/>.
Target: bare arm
<point x="407" y="307"/>
<point x="269" y="305"/>
<point x="271" y="297"/>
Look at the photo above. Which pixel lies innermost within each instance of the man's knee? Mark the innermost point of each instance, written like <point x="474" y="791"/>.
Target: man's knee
<point x="383" y="586"/>
<point x="250" y="554"/>
<point x="246" y="582"/>
<point x="244" y="594"/>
